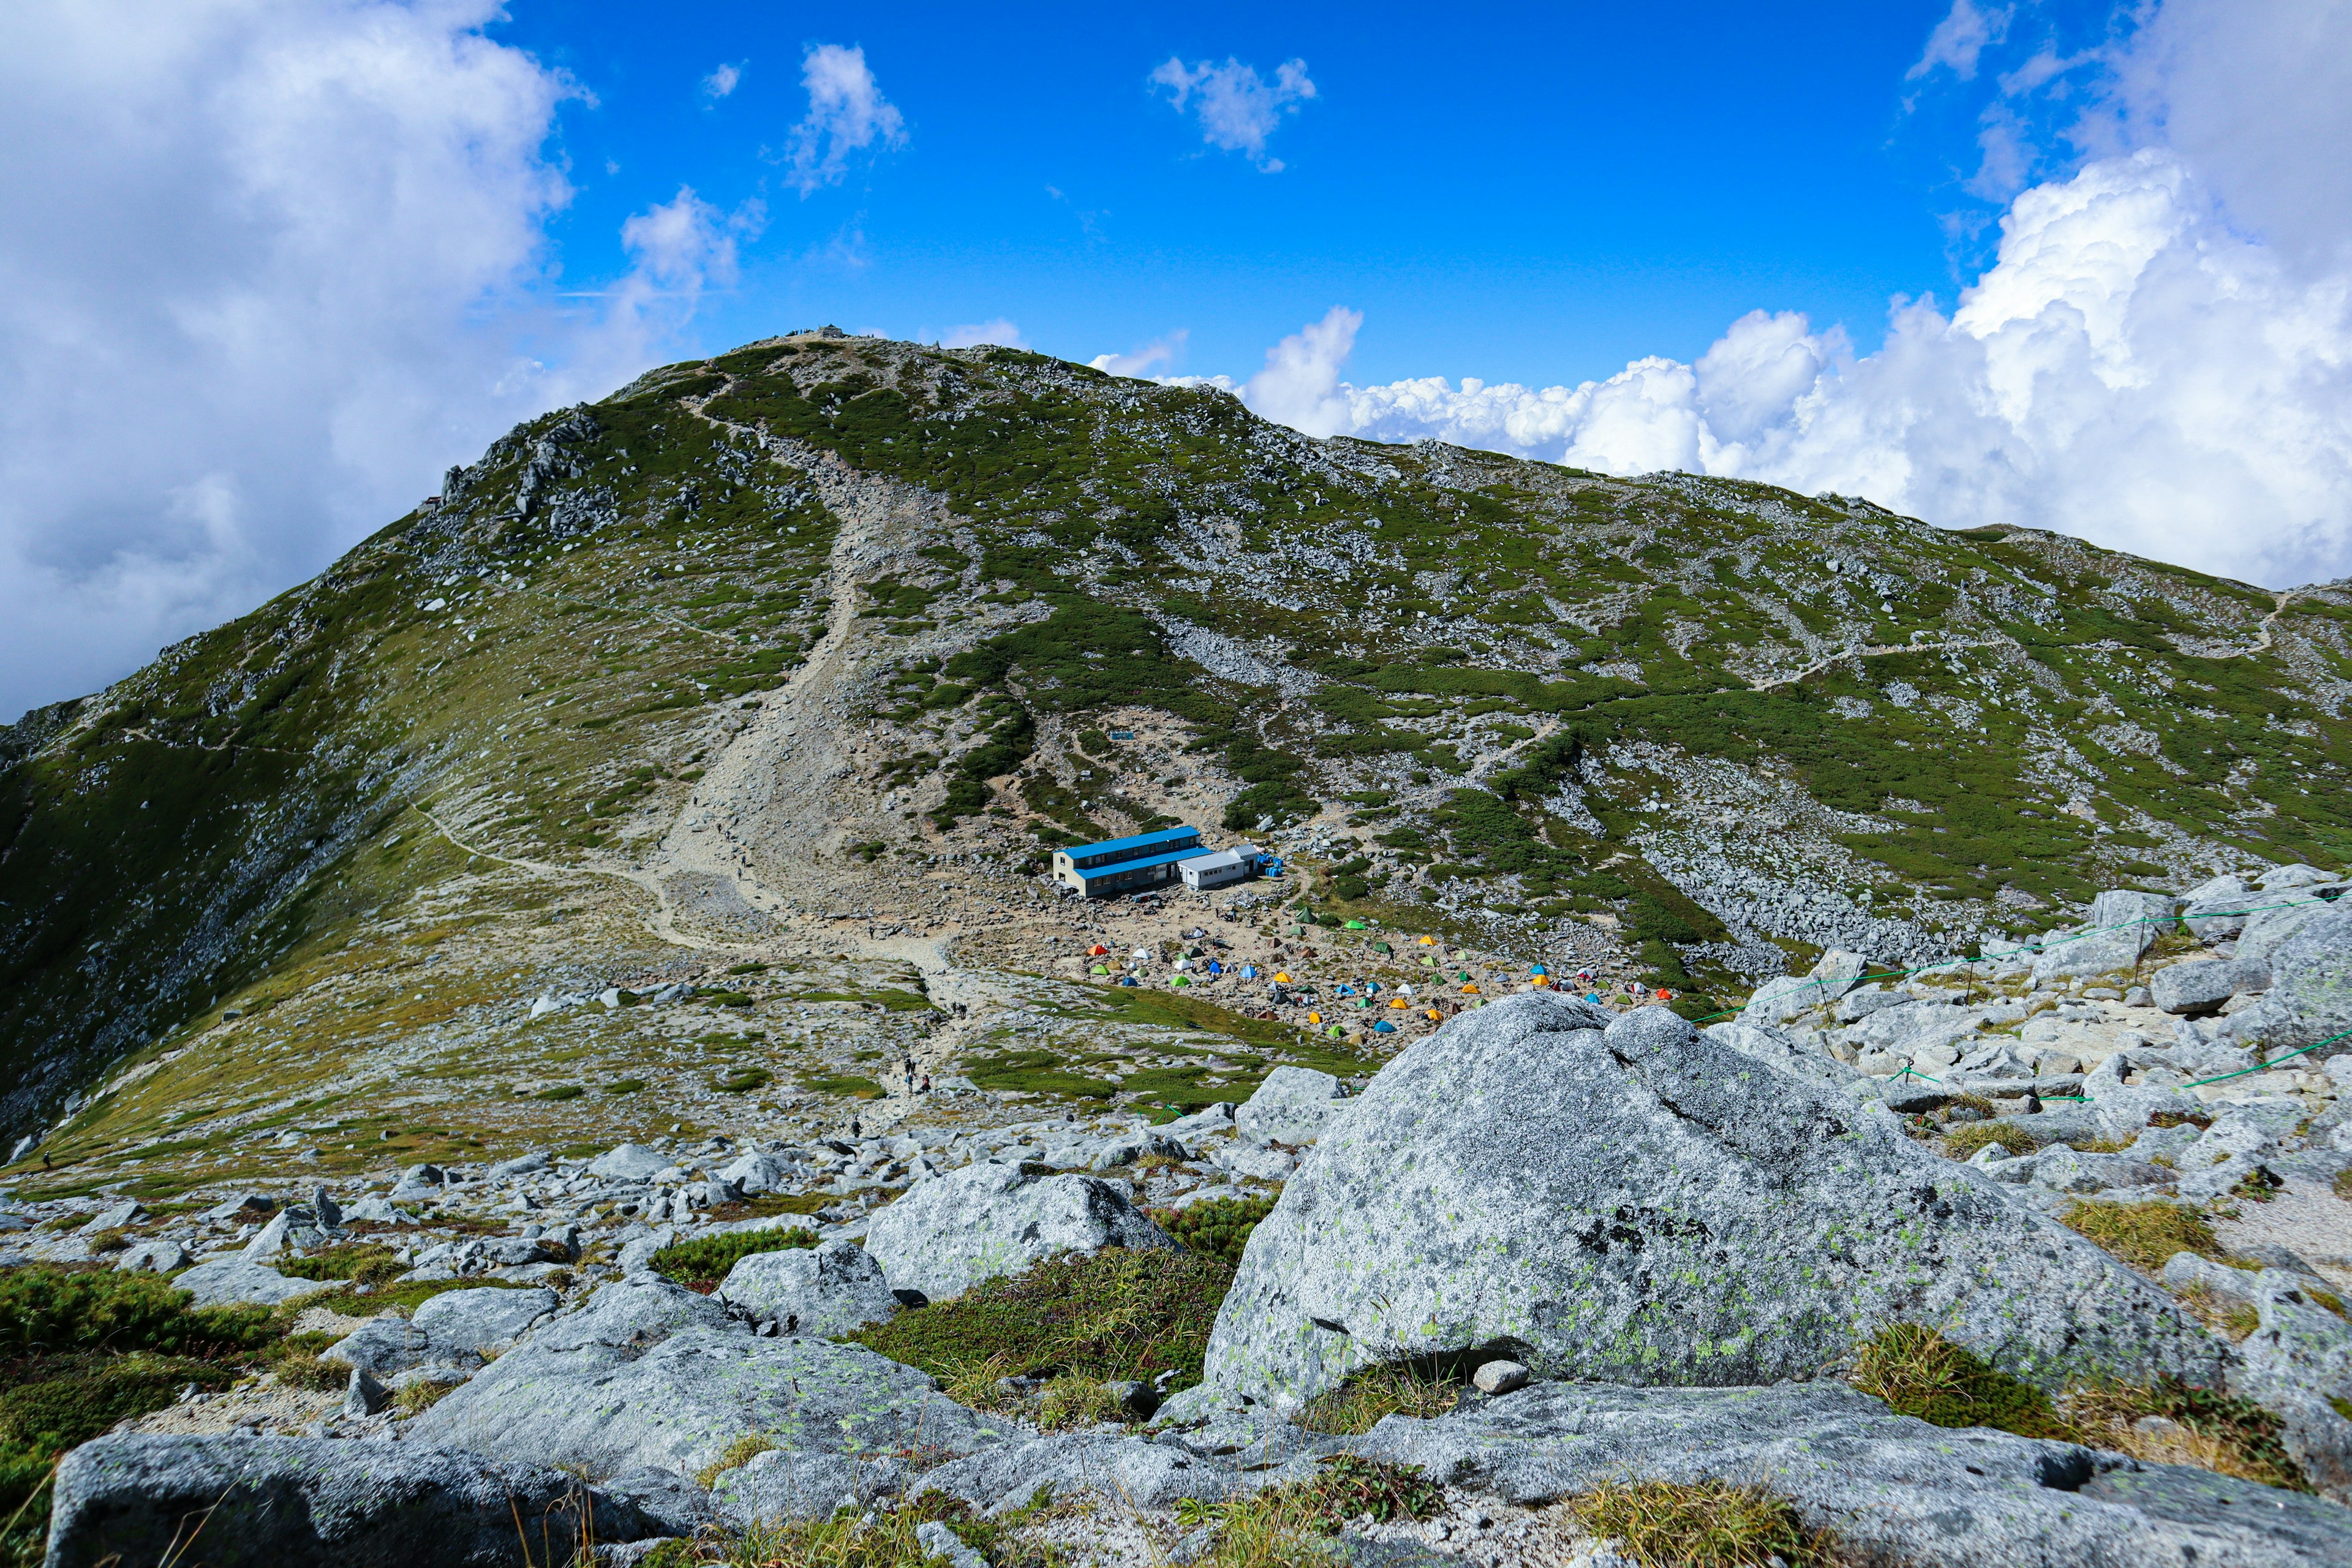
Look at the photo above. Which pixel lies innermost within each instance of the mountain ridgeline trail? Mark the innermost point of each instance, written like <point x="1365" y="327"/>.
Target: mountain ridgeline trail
<point x="740" y="662"/>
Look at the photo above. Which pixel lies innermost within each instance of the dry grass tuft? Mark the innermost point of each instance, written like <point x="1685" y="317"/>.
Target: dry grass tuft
<point x="1962" y="1141"/>
<point x="1397" y="1389"/>
<point x="739" y="1453"/>
<point x="1920" y="1372"/>
<point x="2144" y="1234"/>
<point x="1702" y="1524"/>
<point x="2169" y="1422"/>
<point x="1288" y="1526"/>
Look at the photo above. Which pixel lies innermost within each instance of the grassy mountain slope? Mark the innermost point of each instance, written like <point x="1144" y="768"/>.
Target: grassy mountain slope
<point x="1507" y="695"/>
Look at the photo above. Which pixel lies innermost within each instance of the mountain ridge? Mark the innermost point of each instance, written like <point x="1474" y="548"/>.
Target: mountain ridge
<point x="885" y="604"/>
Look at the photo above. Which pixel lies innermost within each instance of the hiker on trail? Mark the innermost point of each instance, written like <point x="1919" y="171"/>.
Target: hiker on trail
<point x="927" y="1083"/>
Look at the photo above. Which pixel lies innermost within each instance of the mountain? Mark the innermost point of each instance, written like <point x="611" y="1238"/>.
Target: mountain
<point x="795" y="662"/>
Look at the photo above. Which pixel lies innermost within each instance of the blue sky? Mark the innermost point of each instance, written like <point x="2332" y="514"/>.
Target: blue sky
<point x="271" y="266"/>
<point x="1543" y="192"/>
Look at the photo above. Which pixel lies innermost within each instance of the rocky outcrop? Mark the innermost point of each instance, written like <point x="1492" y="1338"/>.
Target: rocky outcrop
<point x="951" y="1233"/>
<point x="822" y="1292"/>
<point x="1639" y="1203"/>
<point x="648" y="1375"/>
<point x="297" y="1502"/>
<point x="1894" y="1489"/>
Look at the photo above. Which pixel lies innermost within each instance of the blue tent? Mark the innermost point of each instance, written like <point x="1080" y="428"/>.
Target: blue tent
<point x="1385" y="1027"/>
<point x="1249" y="972"/>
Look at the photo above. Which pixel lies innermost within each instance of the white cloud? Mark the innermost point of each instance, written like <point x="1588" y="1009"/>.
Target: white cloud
<point x="1236" y="107"/>
<point x="271" y="266"/>
<point x="2130" y="369"/>
<point x="1160" y="355"/>
<point x="1960" y="38"/>
<point x="999" y="332"/>
<point x="846" y="114"/>
<point x="723" y="80"/>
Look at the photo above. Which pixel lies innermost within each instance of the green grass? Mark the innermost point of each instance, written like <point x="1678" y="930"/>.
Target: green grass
<point x="1920" y="1372"/>
<point x="1220" y="1227"/>
<point x="1110" y="1316"/>
<point x="702" y="1263"/>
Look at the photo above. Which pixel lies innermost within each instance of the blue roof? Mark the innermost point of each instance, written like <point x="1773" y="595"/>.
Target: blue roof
<point x="1121" y="868"/>
<point x="1165" y="835"/>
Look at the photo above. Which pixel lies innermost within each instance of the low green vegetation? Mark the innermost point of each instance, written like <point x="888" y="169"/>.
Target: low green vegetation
<point x="702" y="1263"/>
<point x="883" y="1539"/>
<point x="1219" y="1227"/>
<point x="1112" y="1316"/>
<point x="1920" y="1372"/>
<point x="82" y="1349"/>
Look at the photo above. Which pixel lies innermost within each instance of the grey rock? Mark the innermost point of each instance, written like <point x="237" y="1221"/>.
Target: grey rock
<point x="380" y="1211"/>
<point x="785" y="1484"/>
<point x="947" y="1235"/>
<point x="1217" y="1117"/>
<point x="381" y="1347"/>
<point x="1256" y="1161"/>
<point x="759" y="1172"/>
<point x="289" y="1230"/>
<point x="114" y="1217"/>
<point x="1789" y="996"/>
<point x="825" y="1291"/>
<point x="2271" y="929"/>
<point x="245" y="1206"/>
<point x="303" y="1502"/>
<point x="2195" y="987"/>
<point x="1894" y="1488"/>
<point x="521" y="1165"/>
<point x="1772" y="1045"/>
<point x="629" y="1163"/>
<point x="232" y="1280"/>
<point x="2216" y="910"/>
<point x="1293" y="1105"/>
<point x="2123" y="924"/>
<point x="1148" y="1475"/>
<point x="152" y="1257"/>
<point x="484" y="1320"/>
<point x="1648" y="1206"/>
<point x="1500" y="1377"/>
<point x="2310" y="996"/>
<point x="938" y="1541"/>
<point x="2186" y="1272"/>
<point x="676" y="1505"/>
<point x="2298" y="1362"/>
<point x="2284" y="878"/>
<point x="649" y="1374"/>
<point x="364" y="1396"/>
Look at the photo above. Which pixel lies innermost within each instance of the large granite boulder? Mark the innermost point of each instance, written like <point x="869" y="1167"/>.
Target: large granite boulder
<point x="2298" y="1362"/>
<point x="650" y="1374"/>
<point x="2123" y="924"/>
<point x="308" y="1502"/>
<point x="1293" y="1105"/>
<point x="233" y="1281"/>
<point x="947" y="1235"/>
<point x="825" y="1291"/>
<point x="2310" y="996"/>
<point x="1894" y="1490"/>
<point x="1791" y="995"/>
<point x="1638" y="1203"/>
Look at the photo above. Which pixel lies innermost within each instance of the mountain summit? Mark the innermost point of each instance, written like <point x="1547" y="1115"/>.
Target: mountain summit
<point x="797" y="662"/>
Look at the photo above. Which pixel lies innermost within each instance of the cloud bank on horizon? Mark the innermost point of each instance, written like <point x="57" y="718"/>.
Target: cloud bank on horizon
<point x="2132" y="370"/>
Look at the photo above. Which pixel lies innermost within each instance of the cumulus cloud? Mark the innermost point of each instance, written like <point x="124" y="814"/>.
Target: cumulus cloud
<point x="271" y="266"/>
<point x="723" y="80"/>
<point x="1159" y="355"/>
<point x="846" y="114"/>
<point x="1000" y="331"/>
<point x="1235" y="108"/>
<point x="2130" y="369"/>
